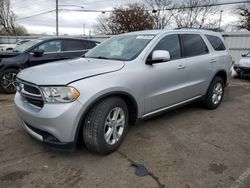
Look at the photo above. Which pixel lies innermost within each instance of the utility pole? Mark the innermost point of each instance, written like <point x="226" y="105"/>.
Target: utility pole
<point x="56" y="17"/>
<point x="220" y="18"/>
<point x="84" y="29"/>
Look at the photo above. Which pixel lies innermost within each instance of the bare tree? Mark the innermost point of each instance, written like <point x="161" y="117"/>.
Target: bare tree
<point x="134" y="17"/>
<point x="193" y="13"/>
<point x="161" y="16"/>
<point x="18" y="31"/>
<point x="7" y="20"/>
<point x="244" y="12"/>
<point x="102" y="26"/>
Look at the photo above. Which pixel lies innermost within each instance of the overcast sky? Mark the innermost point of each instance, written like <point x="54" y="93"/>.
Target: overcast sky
<point x="72" y="22"/>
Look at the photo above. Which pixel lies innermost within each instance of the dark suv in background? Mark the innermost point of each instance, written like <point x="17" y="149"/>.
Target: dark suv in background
<point x="36" y="52"/>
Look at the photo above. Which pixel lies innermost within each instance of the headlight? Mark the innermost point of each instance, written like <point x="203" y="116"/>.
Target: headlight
<point x="60" y="94"/>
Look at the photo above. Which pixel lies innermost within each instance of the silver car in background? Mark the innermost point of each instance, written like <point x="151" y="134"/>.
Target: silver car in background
<point x="127" y="77"/>
<point x="242" y="68"/>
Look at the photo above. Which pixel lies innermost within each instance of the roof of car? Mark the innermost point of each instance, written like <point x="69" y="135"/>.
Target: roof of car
<point x="145" y="32"/>
<point x="156" y="32"/>
<point x="62" y="37"/>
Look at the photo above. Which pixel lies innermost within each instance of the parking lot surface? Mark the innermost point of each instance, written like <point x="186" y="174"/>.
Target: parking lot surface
<point x="188" y="148"/>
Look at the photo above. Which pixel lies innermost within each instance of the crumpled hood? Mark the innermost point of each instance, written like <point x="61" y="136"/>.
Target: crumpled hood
<point x="65" y="72"/>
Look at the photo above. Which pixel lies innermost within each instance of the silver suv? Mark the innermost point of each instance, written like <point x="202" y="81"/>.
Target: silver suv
<point x="128" y="77"/>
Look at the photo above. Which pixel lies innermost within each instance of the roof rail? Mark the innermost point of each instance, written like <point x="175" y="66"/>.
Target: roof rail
<point x="187" y="28"/>
<point x="178" y="28"/>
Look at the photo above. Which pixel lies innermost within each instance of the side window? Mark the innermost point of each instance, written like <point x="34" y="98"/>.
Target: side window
<point x="72" y="45"/>
<point x="88" y="44"/>
<point x="193" y="45"/>
<point x="51" y="46"/>
<point x="216" y="42"/>
<point x="171" y="44"/>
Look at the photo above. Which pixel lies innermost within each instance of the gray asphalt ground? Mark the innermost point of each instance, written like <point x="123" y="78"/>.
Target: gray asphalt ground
<point x="187" y="148"/>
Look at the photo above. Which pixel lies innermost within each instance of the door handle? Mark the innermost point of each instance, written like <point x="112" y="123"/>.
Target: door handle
<point x="212" y="61"/>
<point x="181" y="67"/>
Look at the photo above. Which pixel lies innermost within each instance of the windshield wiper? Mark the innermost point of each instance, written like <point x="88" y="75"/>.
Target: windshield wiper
<point x="97" y="57"/>
<point x="15" y="51"/>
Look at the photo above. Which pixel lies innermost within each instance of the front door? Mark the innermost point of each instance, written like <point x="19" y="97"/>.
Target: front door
<point x="166" y="82"/>
<point x="52" y="52"/>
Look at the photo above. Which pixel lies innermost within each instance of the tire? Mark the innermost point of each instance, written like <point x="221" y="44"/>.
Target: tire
<point x="98" y="123"/>
<point x="215" y="93"/>
<point x="237" y="75"/>
<point x="8" y="81"/>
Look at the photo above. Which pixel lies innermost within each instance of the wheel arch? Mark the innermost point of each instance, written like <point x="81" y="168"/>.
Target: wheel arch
<point x="129" y="100"/>
<point x="223" y="75"/>
<point x="4" y="68"/>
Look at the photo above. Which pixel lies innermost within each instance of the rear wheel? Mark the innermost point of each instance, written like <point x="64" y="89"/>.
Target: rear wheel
<point x="105" y="125"/>
<point x="8" y="81"/>
<point x="215" y="93"/>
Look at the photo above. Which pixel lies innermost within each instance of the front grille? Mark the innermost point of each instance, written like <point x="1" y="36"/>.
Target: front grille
<point x="30" y="93"/>
<point x="32" y="89"/>
<point x="245" y="71"/>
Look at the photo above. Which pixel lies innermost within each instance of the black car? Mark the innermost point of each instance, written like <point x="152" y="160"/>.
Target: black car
<point x="36" y="52"/>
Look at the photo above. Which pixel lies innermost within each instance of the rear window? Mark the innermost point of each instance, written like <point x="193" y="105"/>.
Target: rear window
<point x="193" y="45"/>
<point x="216" y="42"/>
<point x="89" y="44"/>
<point x="73" y="45"/>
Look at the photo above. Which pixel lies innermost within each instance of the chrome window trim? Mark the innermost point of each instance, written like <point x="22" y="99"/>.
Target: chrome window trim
<point x="31" y="53"/>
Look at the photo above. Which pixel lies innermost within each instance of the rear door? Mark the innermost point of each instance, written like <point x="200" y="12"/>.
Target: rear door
<point x="199" y="67"/>
<point x="73" y="48"/>
<point x="221" y="57"/>
<point x="52" y="52"/>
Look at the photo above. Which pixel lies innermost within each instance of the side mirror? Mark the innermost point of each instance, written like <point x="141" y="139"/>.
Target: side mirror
<point x="159" y="56"/>
<point x="38" y="52"/>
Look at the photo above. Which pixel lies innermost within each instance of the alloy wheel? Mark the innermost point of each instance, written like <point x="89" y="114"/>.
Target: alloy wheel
<point x="217" y="93"/>
<point x="9" y="82"/>
<point x="114" y="126"/>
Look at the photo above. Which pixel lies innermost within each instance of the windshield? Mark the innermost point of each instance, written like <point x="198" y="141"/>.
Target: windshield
<point x="123" y="47"/>
<point x="24" y="46"/>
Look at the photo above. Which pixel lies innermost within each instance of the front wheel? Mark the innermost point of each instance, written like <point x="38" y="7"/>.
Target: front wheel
<point x="8" y="81"/>
<point x="105" y="125"/>
<point x="215" y="93"/>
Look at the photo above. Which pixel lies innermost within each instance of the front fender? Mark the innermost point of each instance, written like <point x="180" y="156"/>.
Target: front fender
<point x="17" y="62"/>
<point x="88" y="102"/>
